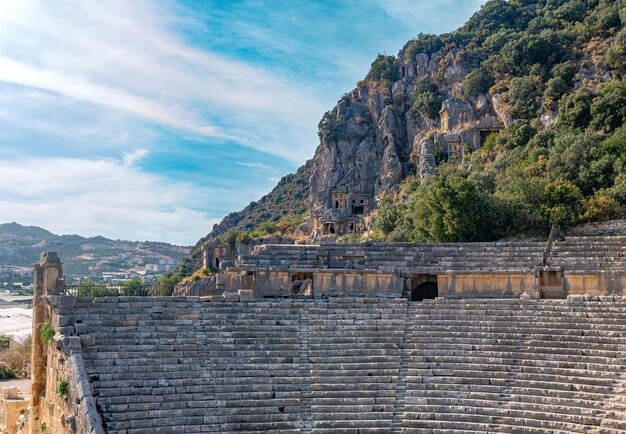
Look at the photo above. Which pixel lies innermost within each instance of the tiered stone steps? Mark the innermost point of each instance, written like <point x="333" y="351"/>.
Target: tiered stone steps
<point x="254" y="355"/>
<point x="357" y="365"/>
<point x="147" y="365"/>
<point x="590" y="253"/>
<point x="573" y="254"/>
<point x="427" y="257"/>
<point x="507" y="366"/>
<point x="355" y="350"/>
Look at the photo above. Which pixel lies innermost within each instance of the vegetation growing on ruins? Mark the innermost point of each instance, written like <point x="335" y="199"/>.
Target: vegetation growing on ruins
<point x="46" y="332"/>
<point x="7" y="373"/>
<point x="62" y="389"/>
<point x="5" y="340"/>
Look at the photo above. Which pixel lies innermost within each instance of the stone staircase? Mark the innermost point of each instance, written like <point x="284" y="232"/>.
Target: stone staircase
<point x="255" y="354"/>
<point x="509" y="366"/>
<point x="573" y="254"/>
<point x="146" y="366"/>
<point x="355" y="353"/>
<point x="590" y="253"/>
<point x="390" y="257"/>
<point x="357" y="365"/>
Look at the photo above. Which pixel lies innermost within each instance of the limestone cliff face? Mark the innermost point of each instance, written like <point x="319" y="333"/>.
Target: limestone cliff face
<point x="374" y="138"/>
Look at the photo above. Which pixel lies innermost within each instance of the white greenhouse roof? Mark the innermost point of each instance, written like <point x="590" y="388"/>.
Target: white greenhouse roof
<point x="16" y="322"/>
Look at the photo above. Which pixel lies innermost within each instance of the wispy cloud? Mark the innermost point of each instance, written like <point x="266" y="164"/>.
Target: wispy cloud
<point x="125" y="56"/>
<point x="131" y="158"/>
<point x="80" y="88"/>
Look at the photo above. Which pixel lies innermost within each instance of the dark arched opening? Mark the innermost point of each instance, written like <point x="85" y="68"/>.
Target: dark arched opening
<point x="425" y="291"/>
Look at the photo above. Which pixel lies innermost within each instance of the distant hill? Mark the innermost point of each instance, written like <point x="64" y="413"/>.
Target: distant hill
<point x="21" y="245"/>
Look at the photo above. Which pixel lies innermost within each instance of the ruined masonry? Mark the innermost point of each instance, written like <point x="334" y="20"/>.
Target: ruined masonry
<point x="322" y="362"/>
<point x="572" y="266"/>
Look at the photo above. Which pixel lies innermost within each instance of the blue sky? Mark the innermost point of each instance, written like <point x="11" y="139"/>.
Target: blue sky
<point x="152" y="119"/>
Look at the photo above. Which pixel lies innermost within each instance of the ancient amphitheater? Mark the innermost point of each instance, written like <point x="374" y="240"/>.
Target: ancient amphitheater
<point x="514" y="337"/>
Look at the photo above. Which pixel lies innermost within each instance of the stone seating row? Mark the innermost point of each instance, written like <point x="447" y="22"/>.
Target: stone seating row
<point x="574" y="253"/>
<point x="357" y="365"/>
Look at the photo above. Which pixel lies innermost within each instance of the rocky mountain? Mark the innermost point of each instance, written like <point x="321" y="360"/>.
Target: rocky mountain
<point x="20" y="247"/>
<point x="507" y="126"/>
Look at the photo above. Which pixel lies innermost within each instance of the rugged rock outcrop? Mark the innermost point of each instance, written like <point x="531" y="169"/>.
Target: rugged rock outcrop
<point x="375" y="137"/>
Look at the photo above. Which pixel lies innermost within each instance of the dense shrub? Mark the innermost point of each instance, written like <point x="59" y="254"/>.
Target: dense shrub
<point x="565" y="71"/>
<point x="517" y="135"/>
<point x="423" y="44"/>
<point x="603" y="205"/>
<point x="556" y="88"/>
<point x="7" y="373"/>
<point x="608" y="111"/>
<point x="562" y="203"/>
<point x="571" y="159"/>
<point x="328" y="127"/>
<point x="575" y="110"/>
<point x="476" y="83"/>
<point x="524" y="97"/>
<point x="229" y="237"/>
<point x="453" y="209"/>
<point x="428" y="99"/>
<point x="571" y="11"/>
<point x="616" y="55"/>
<point x="384" y="68"/>
<point x="614" y="146"/>
<point x="497" y="14"/>
<point x="521" y="54"/>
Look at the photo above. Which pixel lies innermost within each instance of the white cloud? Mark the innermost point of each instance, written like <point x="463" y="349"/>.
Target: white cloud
<point x="130" y="158"/>
<point x="126" y="56"/>
<point x="79" y="88"/>
<point x="104" y="196"/>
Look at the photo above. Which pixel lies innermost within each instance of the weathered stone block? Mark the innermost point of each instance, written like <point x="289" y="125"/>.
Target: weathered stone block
<point x="63" y="321"/>
<point x="73" y="342"/>
<point x="231" y="296"/>
<point x="246" y="295"/>
<point x="67" y="330"/>
<point x="80" y="328"/>
<point x="9" y="392"/>
<point x="87" y="340"/>
<point x="66" y="302"/>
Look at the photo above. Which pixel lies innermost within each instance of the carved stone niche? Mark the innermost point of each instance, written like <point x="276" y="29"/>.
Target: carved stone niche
<point x="550" y="281"/>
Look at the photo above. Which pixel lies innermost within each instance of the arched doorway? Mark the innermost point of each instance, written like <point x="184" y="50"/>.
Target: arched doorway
<point x="425" y="291"/>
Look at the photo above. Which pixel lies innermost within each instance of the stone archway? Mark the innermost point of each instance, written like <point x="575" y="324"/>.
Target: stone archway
<point x="424" y="290"/>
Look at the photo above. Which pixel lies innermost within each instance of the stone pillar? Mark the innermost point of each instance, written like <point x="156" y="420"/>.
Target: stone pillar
<point x="48" y="272"/>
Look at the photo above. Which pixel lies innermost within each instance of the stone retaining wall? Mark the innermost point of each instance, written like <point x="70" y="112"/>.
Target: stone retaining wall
<point x="75" y="410"/>
<point x="61" y="396"/>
